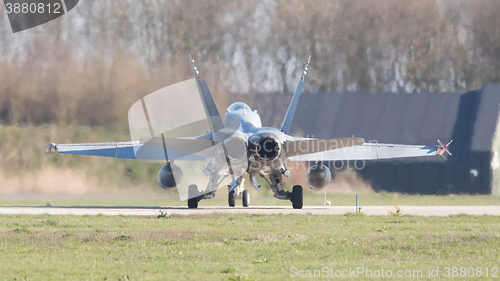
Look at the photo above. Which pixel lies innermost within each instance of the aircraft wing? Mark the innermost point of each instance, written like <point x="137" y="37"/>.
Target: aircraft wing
<point x="312" y="146"/>
<point x="149" y="151"/>
<point x="370" y="151"/>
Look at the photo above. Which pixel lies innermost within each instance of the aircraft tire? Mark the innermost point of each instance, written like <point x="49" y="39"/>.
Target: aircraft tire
<point x="230" y="199"/>
<point x="193" y="203"/>
<point x="245" y="198"/>
<point x="192" y="198"/>
<point x="297" y="198"/>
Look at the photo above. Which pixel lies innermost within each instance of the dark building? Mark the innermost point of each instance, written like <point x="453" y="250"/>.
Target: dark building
<point x="470" y="119"/>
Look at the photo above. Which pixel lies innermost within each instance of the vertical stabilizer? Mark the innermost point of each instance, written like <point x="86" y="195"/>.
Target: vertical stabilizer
<point x="287" y="122"/>
<point x="211" y="111"/>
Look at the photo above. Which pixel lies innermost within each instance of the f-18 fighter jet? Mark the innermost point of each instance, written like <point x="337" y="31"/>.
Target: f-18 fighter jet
<point x="181" y="127"/>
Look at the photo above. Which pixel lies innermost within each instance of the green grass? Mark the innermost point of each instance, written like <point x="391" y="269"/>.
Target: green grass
<point x="238" y="247"/>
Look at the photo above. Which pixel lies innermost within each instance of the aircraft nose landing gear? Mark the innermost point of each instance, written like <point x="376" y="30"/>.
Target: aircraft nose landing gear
<point x="245" y="198"/>
<point x="231" y="199"/>
<point x="239" y="192"/>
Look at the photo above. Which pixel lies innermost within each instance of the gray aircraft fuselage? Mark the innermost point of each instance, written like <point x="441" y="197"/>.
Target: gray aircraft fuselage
<point x="264" y="145"/>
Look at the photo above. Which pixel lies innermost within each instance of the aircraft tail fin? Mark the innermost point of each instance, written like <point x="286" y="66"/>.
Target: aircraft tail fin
<point x="287" y="122"/>
<point x="211" y="110"/>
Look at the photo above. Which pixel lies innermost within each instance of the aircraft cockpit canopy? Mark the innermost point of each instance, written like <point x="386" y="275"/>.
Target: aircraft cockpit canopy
<point x="238" y="106"/>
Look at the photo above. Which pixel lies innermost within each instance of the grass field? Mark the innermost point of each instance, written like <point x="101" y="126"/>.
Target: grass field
<point x="210" y="247"/>
<point x="243" y="247"/>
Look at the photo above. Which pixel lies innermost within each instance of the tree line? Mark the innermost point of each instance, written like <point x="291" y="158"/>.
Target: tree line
<point x="90" y="65"/>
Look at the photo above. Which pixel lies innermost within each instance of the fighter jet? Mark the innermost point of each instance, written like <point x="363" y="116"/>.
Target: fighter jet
<point x="180" y="126"/>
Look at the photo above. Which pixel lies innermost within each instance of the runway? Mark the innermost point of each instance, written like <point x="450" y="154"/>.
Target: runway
<point x="316" y="210"/>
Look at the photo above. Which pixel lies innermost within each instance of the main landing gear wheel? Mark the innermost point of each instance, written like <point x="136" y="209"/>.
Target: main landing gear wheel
<point x="192" y="198"/>
<point x="297" y="198"/>
<point x="245" y="198"/>
<point x="230" y="199"/>
<point x="193" y="203"/>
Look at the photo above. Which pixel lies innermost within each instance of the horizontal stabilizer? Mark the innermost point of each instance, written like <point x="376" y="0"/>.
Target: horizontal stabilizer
<point x="308" y="146"/>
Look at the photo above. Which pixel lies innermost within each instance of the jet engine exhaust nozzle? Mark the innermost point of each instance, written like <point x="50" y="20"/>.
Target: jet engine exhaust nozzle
<point x="236" y="148"/>
<point x="265" y="146"/>
<point x="267" y="149"/>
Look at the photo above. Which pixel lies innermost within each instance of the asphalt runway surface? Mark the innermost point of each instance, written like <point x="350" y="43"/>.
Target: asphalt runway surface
<point x="316" y="210"/>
